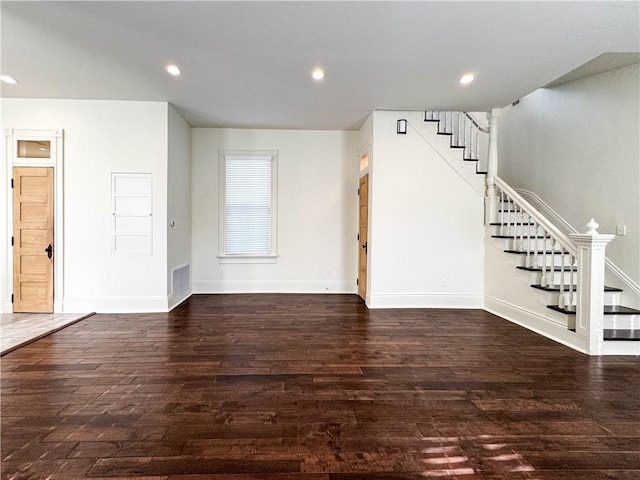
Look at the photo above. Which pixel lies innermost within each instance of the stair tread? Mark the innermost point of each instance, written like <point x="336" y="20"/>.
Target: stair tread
<point x="497" y="224"/>
<point x="557" y="288"/>
<point x="620" y="310"/>
<point x="513" y="237"/>
<point x="539" y="269"/>
<point x="608" y="310"/>
<point x="548" y="252"/>
<point x="619" y="334"/>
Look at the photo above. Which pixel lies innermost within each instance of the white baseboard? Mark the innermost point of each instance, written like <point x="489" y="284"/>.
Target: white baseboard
<point x="171" y="303"/>
<point x="258" y="286"/>
<point x="116" y="304"/>
<point x="425" y="300"/>
<point x="536" y="323"/>
<point x="6" y="305"/>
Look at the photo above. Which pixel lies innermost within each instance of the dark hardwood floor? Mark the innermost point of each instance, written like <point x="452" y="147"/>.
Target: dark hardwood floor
<point x="314" y="387"/>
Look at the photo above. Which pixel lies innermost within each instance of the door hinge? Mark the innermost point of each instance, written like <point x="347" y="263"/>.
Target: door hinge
<point x="12" y="183"/>
<point x="358" y="189"/>
<point x="12" y="298"/>
<point x="357" y="283"/>
<point x="12" y="241"/>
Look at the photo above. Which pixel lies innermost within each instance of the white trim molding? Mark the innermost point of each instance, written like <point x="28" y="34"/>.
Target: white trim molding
<point x="55" y="160"/>
<point x="116" y="304"/>
<point x="536" y="323"/>
<point x="268" y="286"/>
<point x="426" y="300"/>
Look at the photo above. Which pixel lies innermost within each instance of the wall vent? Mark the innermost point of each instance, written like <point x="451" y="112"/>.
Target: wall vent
<point x="180" y="281"/>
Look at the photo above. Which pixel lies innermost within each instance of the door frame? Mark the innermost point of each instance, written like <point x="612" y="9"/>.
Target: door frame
<point x="56" y="161"/>
<point x="365" y="150"/>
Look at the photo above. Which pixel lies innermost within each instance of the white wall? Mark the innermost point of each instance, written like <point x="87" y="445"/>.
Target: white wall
<point x="101" y="137"/>
<point x="577" y="146"/>
<point x="178" y="197"/>
<point x="426" y="225"/>
<point x="317" y="212"/>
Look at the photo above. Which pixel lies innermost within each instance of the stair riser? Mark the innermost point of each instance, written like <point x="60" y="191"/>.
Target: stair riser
<point x="610" y="298"/>
<point x="532" y="243"/>
<point x="622" y="322"/>
<point x="513" y="217"/>
<point x="557" y="277"/>
<point x="516" y="230"/>
<point x="547" y="260"/>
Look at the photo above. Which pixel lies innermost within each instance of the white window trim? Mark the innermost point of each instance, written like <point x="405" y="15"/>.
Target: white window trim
<point x="222" y="256"/>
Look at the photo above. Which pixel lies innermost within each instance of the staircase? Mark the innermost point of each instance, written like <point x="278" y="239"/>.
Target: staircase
<point x="536" y="275"/>
<point x="464" y="133"/>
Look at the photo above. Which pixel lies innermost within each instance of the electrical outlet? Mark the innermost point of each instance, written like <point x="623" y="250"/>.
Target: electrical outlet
<point x="327" y="272"/>
<point x="444" y="282"/>
<point x="621" y="230"/>
<point x="220" y="271"/>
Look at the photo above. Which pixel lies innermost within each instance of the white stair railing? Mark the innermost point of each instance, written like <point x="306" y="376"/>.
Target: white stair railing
<point x="545" y="247"/>
<point x="463" y="128"/>
<point x="572" y="265"/>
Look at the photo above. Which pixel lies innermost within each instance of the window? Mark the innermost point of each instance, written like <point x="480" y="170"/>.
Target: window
<point x="247" y="197"/>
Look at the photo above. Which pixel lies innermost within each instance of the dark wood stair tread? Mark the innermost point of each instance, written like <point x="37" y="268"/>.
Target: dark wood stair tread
<point x="566" y="289"/>
<point x="608" y="310"/>
<point x="620" y="310"/>
<point x="515" y="237"/>
<point x="539" y="252"/>
<point x="548" y="269"/>
<point x="618" y="334"/>
<point x="497" y="224"/>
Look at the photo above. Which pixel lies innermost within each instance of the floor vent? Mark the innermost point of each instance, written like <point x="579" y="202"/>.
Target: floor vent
<point x="180" y="281"/>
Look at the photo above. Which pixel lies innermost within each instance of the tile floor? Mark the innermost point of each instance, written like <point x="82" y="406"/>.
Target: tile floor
<point x="18" y="329"/>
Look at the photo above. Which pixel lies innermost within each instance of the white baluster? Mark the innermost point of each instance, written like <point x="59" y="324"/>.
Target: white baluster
<point x="535" y="258"/>
<point x="477" y="156"/>
<point x="561" y="299"/>
<point x="551" y="281"/>
<point x="543" y="278"/>
<point x="521" y="246"/>
<point x="501" y="212"/>
<point x="572" y="283"/>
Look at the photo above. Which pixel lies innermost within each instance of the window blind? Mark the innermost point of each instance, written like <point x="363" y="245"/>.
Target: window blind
<point x="247" y="222"/>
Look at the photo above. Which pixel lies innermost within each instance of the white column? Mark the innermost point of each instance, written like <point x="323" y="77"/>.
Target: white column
<point x="590" y="290"/>
<point x="491" y="199"/>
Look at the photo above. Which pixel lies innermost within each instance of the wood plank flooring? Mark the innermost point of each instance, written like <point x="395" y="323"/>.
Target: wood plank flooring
<point x="314" y="387"/>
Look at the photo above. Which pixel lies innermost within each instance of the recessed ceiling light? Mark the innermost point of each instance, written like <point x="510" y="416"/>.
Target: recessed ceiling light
<point x="173" y="70"/>
<point x="318" y="74"/>
<point x="8" y="79"/>
<point x="467" y="78"/>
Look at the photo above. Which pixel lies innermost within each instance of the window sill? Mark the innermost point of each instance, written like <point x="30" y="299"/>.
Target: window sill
<point x="247" y="258"/>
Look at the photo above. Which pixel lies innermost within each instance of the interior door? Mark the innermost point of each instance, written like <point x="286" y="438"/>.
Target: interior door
<point x="33" y="239"/>
<point x="363" y="222"/>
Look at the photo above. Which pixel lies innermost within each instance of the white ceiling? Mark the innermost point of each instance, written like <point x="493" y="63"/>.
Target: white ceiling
<point x="248" y="64"/>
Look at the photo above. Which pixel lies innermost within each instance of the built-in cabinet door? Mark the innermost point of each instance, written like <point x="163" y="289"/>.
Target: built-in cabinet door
<point x="33" y="249"/>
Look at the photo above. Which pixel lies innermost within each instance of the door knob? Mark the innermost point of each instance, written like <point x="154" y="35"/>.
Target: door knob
<point x="49" y="251"/>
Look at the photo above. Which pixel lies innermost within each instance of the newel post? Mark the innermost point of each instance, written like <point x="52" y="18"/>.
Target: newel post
<point x="491" y="199"/>
<point x="590" y="307"/>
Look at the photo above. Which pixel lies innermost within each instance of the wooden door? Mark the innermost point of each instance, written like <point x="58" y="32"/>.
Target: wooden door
<point x="363" y="235"/>
<point x="33" y="239"/>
